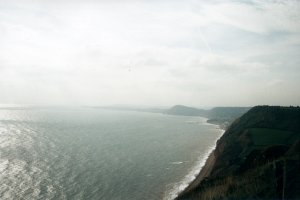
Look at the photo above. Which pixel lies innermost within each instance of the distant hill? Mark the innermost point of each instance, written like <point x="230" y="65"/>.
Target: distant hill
<point x="186" y="111"/>
<point x="227" y="112"/>
<point x="256" y="158"/>
<point x="222" y="116"/>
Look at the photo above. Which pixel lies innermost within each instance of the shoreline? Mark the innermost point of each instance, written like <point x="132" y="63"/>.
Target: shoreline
<point x="208" y="164"/>
<point x="204" y="172"/>
<point x="203" y="168"/>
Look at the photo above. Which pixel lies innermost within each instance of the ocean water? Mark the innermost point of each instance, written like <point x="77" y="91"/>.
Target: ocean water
<point x="85" y="153"/>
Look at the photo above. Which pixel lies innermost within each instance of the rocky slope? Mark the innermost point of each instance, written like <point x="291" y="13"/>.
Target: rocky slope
<point x="256" y="158"/>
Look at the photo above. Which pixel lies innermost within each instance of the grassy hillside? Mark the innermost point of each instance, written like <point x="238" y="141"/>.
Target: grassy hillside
<point x="256" y="158"/>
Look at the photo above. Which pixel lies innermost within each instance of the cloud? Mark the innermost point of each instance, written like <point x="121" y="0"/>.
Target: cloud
<point x="141" y="52"/>
<point x="260" y="17"/>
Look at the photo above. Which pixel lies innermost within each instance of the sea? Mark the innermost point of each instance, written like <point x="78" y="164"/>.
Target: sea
<point x="93" y="153"/>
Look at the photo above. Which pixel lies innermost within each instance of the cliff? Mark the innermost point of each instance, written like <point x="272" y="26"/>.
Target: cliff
<point x="256" y="158"/>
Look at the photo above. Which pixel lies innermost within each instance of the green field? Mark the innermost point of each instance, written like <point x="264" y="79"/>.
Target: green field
<point x="266" y="137"/>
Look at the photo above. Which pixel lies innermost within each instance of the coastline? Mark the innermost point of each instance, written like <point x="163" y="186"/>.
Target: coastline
<point x="249" y="162"/>
<point x="204" y="172"/>
<point x="203" y="169"/>
<point x="207" y="167"/>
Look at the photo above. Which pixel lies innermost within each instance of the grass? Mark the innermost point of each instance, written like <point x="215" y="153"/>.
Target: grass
<point x="266" y="136"/>
<point x="251" y="185"/>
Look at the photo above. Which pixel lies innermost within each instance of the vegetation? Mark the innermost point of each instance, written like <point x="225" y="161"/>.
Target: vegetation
<point x="256" y="158"/>
<point x="266" y="136"/>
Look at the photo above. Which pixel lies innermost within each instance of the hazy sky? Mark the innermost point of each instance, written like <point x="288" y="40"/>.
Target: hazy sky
<point x="158" y="52"/>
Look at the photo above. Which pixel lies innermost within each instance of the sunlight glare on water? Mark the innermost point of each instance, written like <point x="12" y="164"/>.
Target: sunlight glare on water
<point x="98" y="154"/>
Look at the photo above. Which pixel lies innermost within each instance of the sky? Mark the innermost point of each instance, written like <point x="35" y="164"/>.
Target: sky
<point x="156" y="53"/>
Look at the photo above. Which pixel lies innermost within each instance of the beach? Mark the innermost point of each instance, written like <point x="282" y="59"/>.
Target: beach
<point x="203" y="170"/>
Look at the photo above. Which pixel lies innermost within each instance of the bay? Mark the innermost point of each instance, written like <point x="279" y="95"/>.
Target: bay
<point x="89" y="153"/>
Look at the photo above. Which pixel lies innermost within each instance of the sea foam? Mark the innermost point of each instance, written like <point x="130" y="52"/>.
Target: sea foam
<point x="191" y="176"/>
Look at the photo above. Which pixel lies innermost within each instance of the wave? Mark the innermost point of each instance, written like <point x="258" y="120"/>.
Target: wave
<point x="177" y="163"/>
<point x="190" y="177"/>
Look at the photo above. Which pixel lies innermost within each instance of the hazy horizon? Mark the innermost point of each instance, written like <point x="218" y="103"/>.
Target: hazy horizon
<point x="150" y="53"/>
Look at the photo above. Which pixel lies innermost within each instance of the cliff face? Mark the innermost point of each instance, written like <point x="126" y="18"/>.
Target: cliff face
<point x="256" y="158"/>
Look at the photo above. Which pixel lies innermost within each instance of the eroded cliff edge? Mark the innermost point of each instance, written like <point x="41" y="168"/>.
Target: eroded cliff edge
<point x="256" y="158"/>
